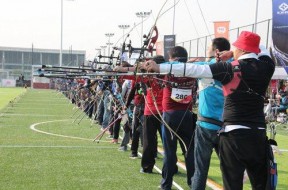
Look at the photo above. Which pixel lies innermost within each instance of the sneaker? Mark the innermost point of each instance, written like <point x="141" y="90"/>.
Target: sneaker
<point x="114" y="141"/>
<point x="122" y="148"/>
<point x="133" y="156"/>
<point x="159" y="187"/>
<point x="145" y="171"/>
<point x="109" y="137"/>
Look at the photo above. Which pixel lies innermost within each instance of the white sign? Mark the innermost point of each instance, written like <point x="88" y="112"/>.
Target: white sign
<point x="8" y="83"/>
<point x="41" y="80"/>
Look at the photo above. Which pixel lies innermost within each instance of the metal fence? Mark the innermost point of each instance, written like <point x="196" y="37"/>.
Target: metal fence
<point x="197" y="47"/>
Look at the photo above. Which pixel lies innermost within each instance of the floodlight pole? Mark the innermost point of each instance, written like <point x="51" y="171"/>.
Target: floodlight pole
<point x="123" y="27"/>
<point x="61" y="34"/>
<point x="109" y="35"/>
<point x="142" y="15"/>
<point x="104" y="50"/>
<point x="256" y="17"/>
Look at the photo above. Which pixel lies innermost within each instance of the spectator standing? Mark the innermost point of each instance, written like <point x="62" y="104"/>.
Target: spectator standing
<point x="178" y="121"/>
<point x="210" y="112"/>
<point x="243" y="142"/>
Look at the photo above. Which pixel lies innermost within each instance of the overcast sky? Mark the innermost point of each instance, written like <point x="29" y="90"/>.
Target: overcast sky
<point x="85" y="22"/>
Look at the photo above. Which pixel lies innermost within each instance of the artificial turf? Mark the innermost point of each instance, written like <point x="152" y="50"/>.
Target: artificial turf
<point x="34" y="160"/>
<point x="64" y="155"/>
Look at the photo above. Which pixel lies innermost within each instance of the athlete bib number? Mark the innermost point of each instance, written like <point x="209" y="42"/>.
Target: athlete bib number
<point x="182" y="96"/>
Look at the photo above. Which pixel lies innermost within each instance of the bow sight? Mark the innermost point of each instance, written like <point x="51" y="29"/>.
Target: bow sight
<point x="110" y="57"/>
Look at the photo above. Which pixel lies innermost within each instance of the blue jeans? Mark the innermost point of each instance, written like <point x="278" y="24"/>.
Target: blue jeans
<point x="205" y="141"/>
<point x="107" y="107"/>
<point x="100" y="110"/>
<point x="280" y="108"/>
<point x="183" y="124"/>
<point x="127" y="130"/>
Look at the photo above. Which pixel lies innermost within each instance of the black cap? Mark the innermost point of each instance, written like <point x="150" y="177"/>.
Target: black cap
<point x="158" y="59"/>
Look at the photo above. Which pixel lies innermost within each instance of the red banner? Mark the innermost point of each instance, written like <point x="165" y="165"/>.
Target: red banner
<point x="221" y="29"/>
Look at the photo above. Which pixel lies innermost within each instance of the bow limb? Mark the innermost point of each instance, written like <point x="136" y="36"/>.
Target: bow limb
<point x="150" y="42"/>
<point x="153" y="40"/>
<point x="158" y="15"/>
<point x="164" y="122"/>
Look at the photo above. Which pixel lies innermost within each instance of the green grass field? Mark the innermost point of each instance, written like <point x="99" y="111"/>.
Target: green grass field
<point x="40" y="148"/>
<point x="34" y="160"/>
<point x="8" y="94"/>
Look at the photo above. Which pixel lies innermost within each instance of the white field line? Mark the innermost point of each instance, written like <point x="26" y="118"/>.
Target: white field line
<point x="34" y="129"/>
<point x="157" y="169"/>
<point x="209" y="182"/>
<point x="72" y="137"/>
<point x="65" y="136"/>
<point x="58" y="135"/>
<point x="160" y="171"/>
<point x="53" y="134"/>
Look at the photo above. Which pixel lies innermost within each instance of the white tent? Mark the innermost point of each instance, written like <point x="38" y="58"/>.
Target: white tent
<point x="280" y="73"/>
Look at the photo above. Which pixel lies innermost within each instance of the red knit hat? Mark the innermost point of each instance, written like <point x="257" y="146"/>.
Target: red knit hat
<point x="248" y="42"/>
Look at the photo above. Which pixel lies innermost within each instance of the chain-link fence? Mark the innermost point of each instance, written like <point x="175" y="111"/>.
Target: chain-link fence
<point x="197" y="47"/>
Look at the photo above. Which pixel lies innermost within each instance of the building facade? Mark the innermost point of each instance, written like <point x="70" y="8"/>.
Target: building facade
<point x="17" y="61"/>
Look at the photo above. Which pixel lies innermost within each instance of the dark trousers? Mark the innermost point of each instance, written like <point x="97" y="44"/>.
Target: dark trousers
<point x="127" y="133"/>
<point x="95" y="109"/>
<point x="88" y="109"/>
<point x="205" y="141"/>
<point x="127" y="129"/>
<point x="137" y="127"/>
<point x="112" y="119"/>
<point x="151" y="126"/>
<point x="243" y="149"/>
<point x="183" y="124"/>
<point x="116" y="127"/>
<point x="100" y="111"/>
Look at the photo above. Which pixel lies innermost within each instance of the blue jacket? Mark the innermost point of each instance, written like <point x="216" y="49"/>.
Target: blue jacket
<point x="211" y="100"/>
